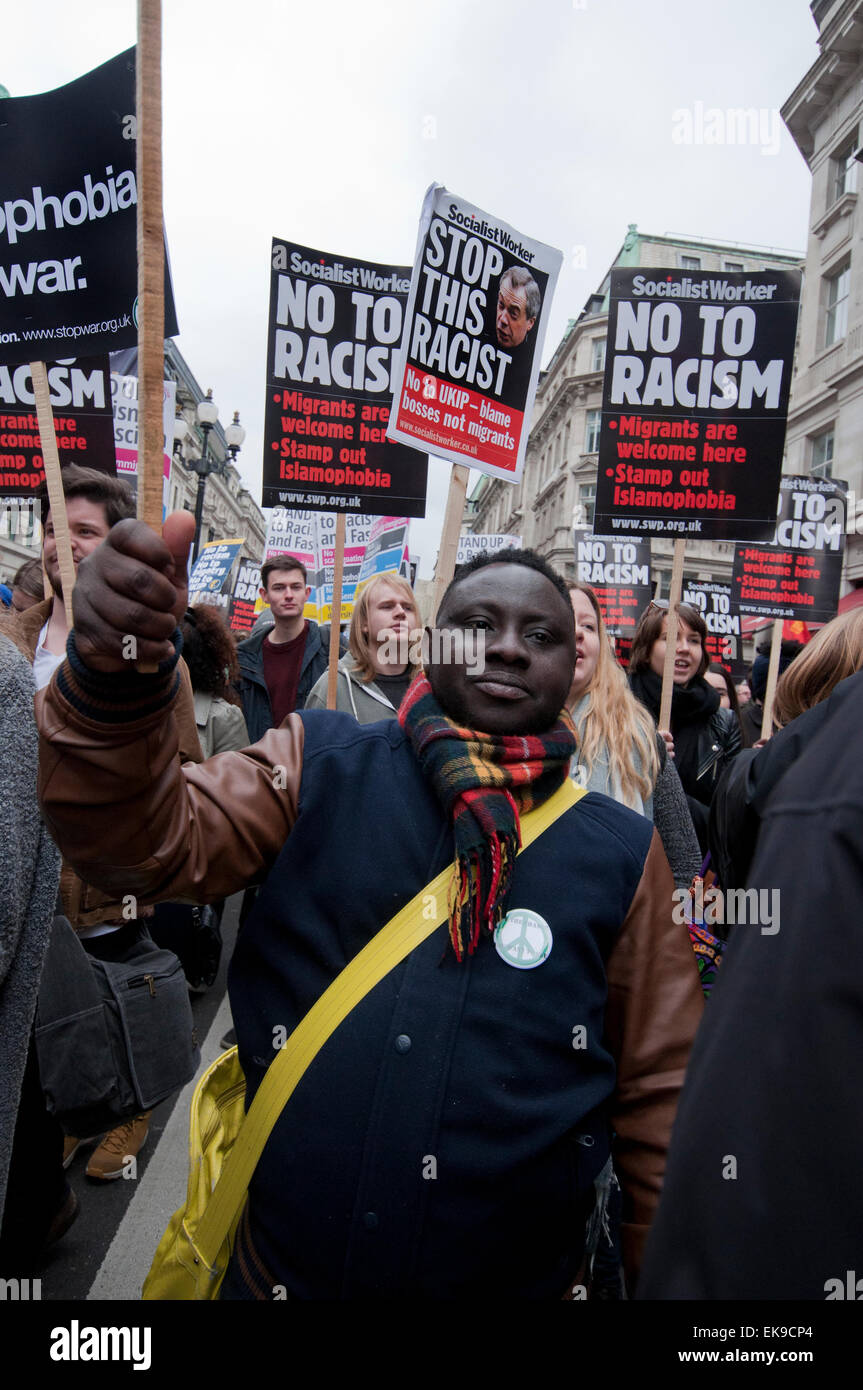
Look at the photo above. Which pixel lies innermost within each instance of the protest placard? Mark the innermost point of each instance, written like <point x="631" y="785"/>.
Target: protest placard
<point x="245" y="602"/>
<point x="618" y="571"/>
<point x="295" y="533"/>
<point x="722" y="618"/>
<point x="81" y="399"/>
<point x="480" y="297"/>
<point x="68" y="235"/>
<point x="124" y="397"/>
<point x="386" y="548"/>
<point x="799" y="575"/>
<point x="334" y="330"/>
<point x="475" y="544"/>
<point x="695" y="399"/>
<point x="211" y="570"/>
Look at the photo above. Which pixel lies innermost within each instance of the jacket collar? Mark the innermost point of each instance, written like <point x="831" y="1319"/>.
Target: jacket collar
<point x="30" y="623"/>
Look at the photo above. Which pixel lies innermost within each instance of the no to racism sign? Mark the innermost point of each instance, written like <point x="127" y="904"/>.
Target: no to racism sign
<point x="618" y="571"/>
<point x="81" y="398"/>
<point x="68" y="219"/>
<point x="335" y="325"/>
<point x="479" y="302"/>
<point x="799" y="576"/>
<point x="722" y="618"/>
<point x="695" y="399"/>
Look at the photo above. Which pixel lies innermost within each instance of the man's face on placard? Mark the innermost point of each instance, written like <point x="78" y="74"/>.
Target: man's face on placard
<point x="512" y="322"/>
<point x="286" y="592"/>
<point x="529" y="635"/>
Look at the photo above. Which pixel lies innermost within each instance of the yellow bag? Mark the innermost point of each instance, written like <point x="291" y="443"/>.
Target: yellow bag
<point x="225" y="1144"/>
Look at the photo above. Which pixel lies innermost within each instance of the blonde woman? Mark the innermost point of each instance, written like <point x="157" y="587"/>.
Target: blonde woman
<point x="619" y="753"/>
<point x="376" y="670"/>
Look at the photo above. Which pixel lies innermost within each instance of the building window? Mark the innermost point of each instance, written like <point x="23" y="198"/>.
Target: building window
<point x="591" y="433"/>
<point x="733" y="265"/>
<point x="822" y="455"/>
<point x="843" y="171"/>
<point x="690" y="262"/>
<point x="586" y="503"/>
<point x="598" y="357"/>
<point x="836" y="324"/>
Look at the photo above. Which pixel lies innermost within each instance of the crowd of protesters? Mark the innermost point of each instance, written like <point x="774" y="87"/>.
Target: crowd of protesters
<point x="552" y="1152"/>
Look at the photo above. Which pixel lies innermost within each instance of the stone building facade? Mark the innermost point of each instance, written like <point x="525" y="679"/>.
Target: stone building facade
<point x="824" y="115"/>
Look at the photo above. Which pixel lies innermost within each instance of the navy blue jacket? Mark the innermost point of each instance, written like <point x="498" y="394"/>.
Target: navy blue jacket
<point x="253" y="687"/>
<point x="446" y="1140"/>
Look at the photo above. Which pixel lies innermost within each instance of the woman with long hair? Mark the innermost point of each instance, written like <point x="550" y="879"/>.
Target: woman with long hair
<point x="211" y="657"/>
<point x="836" y="651"/>
<point x="618" y="750"/>
<point x="377" y="669"/>
<point x="705" y="737"/>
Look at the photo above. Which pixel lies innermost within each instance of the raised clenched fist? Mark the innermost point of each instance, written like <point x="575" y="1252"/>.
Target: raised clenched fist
<point x="131" y="592"/>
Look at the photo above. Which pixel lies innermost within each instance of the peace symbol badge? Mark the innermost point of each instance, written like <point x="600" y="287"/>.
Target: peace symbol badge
<point x="523" y="939"/>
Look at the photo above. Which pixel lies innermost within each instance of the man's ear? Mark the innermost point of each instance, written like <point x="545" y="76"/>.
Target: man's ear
<point x="530" y="324"/>
<point x="308" y="591"/>
<point x="263" y="593"/>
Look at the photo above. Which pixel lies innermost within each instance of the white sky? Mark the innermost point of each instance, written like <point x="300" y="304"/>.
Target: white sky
<point x="324" y="123"/>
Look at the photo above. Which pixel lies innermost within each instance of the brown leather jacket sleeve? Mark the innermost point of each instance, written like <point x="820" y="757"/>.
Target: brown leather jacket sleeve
<point x="655" y="1002"/>
<point x="132" y="819"/>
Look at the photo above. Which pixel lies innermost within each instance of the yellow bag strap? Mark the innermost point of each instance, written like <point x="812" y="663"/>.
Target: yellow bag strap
<point x="391" y="945"/>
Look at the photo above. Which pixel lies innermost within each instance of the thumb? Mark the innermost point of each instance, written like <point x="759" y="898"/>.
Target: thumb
<point x="178" y="532"/>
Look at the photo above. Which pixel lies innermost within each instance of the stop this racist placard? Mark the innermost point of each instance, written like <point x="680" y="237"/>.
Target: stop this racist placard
<point x="83" y="422"/>
<point x="68" y="219"/>
<point x="335" y="325"/>
<point x="695" y="398"/>
<point x="722" y="618"/>
<point x="618" y="571"/>
<point x="480" y="298"/>
<point x="799" y="576"/>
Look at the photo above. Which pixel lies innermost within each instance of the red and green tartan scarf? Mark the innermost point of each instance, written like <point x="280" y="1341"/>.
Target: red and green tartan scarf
<point x="485" y="782"/>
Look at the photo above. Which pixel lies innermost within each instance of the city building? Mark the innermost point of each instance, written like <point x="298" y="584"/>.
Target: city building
<point x="558" y="485"/>
<point x="824" y="115"/>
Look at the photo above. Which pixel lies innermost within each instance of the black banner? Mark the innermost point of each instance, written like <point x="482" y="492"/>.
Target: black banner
<point x="68" y="219"/>
<point x="83" y="422"/>
<point x="335" y="326"/>
<point x="799" y="576"/>
<point x="695" y="398"/>
<point x="618" y="571"/>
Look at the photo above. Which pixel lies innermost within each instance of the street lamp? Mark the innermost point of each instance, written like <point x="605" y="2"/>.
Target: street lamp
<point x="208" y="413"/>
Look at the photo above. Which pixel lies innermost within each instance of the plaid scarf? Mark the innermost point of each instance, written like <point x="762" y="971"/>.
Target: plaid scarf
<point x="485" y="782"/>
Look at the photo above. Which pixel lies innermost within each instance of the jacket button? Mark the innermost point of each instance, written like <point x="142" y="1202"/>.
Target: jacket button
<point x="370" y="1220"/>
<point x="403" y="1043"/>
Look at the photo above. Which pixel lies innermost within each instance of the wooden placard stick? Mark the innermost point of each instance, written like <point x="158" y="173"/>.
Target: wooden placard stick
<point x="54" y="479"/>
<point x="336" y="611"/>
<point x="671" y="634"/>
<point x="453" y="517"/>
<point x="151" y="262"/>
<point x="772" y="678"/>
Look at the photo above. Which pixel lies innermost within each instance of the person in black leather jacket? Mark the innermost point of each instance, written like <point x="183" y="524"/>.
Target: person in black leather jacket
<point x="705" y="737"/>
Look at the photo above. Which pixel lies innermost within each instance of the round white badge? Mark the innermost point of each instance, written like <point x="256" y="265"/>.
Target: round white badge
<point x="523" y="939"/>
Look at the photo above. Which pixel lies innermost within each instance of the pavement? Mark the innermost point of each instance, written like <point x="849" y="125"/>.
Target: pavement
<point x="107" y="1252"/>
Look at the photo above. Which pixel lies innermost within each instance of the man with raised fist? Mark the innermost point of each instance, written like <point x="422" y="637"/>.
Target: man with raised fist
<point x="455" y="1134"/>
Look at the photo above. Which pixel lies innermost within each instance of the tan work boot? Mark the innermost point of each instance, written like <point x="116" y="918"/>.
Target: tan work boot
<point x="124" y="1142"/>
